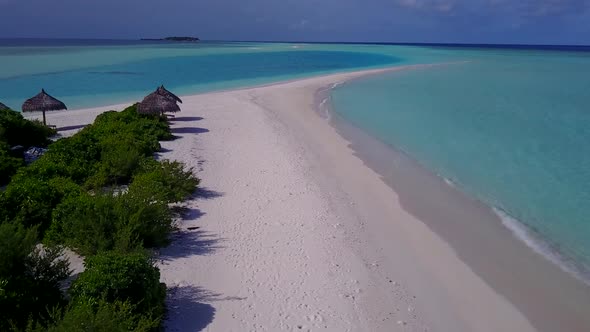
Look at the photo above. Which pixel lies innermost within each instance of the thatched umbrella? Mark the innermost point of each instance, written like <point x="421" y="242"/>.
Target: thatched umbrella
<point x="156" y="104"/>
<point x="43" y="102"/>
<point x="162" y="91"/>
<point x="3" y="107"/>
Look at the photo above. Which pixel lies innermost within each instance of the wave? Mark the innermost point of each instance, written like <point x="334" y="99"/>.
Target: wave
<point x="449" y="182"/>
<point x="324" y="108"/>
<point x="532" y="240"/>
<point x="541" y="247"/>
<point x="337" y="84"/>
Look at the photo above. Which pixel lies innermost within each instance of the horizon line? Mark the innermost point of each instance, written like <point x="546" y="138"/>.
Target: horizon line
<point x="313" y="42"/>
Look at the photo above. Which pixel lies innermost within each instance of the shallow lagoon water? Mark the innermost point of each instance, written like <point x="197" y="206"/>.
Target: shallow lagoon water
<point x="509" y="127"/>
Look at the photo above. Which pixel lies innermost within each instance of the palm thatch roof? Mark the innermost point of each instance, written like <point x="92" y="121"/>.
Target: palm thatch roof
<point x="43" y="102"/>
<point x="162" y="91"/>
<point x="3" y="107"/>
<point x="156" y="104"/>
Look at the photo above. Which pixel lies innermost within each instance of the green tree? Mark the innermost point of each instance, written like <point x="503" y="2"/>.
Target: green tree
<point x="8" y="164"/>
<point x="31" y="200"/>
<point x="89" y="315"/>
<point x="106" y="221"/>
<point x="30" y="277"/>
<point x="120" y="277"/>
<point x="16" y="130"/>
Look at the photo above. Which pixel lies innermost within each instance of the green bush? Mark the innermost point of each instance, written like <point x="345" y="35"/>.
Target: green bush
<point x="105" y="221"/>
<point x="169" y="181"/>
<point x="128" y="278"/>
<point x="87" y="224"/>
<point x="16" y="130"/>
<point x="74" y="157"/>
<point x="104" y="153"/>
<point x="142" y="124"/>
<point x="29" y="276"/>
<point x="8" y="164"/>
<point x="109" y="123"/>
<point x="120" y="156"/>
<point x="150" y="220"/>
<point x="89" y="315"/>
<point x="31" y="200"/>
<point x="120" y="134"/>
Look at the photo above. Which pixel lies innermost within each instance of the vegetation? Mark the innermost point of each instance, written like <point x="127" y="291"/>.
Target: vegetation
<point x="29" y="277"/>
<point x="99" y="316"/>
<point x="30" y="200"/>
<point x="90" y="224"/>
<point x="9" y="164"/>
<point x="102" y="194"/>
<point x="18" y="131"/>
<point x="167" y="181"/>
<point x="131" y="278"/>
<point x="104" y="153"/>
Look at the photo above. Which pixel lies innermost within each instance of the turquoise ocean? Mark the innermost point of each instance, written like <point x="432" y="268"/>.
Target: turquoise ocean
<point x="508" y="125"/>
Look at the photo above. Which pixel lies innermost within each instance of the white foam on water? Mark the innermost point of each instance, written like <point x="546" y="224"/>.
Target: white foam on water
<point x="449" y="182"/>
<point x="523" y="233"/>
<point x="337" y="84"/>
<point x="533" y="241"/>
<point x="325" y="109"/>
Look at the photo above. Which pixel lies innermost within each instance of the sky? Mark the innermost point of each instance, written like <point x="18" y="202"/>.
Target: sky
<point x="438" y="21"/>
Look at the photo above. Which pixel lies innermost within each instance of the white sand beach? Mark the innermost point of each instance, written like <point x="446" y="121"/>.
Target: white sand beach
<point x="291" y="231"/>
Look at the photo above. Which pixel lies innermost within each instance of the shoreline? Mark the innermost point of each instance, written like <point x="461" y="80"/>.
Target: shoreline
<point x="436" y="285"/>
<point x="520" y="230"/>
<point x="476" y="231"/>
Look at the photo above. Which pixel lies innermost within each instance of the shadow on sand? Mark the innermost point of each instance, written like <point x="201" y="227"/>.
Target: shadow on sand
<point x="204" y="193"/>
<point x="189" y="214"/>
<point x="189" y="308"/>
<point x="189" y="240"/>
<point x="186" y="312"/>
<point x="190" y="243"/>
<point x="71" y="127"/>
<point x="186" y="118"/>
<point x="189" y="130"/>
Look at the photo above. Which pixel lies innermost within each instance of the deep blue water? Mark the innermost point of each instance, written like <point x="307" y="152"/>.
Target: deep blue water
<point x="84" y="74"/>
<point x="198" y="73"/>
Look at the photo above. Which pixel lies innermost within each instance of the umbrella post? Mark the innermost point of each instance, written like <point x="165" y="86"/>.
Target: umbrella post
<point x="44" y="121"/>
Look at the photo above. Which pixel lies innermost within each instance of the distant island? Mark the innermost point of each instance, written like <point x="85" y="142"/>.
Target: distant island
<point x="182" y="39"/>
